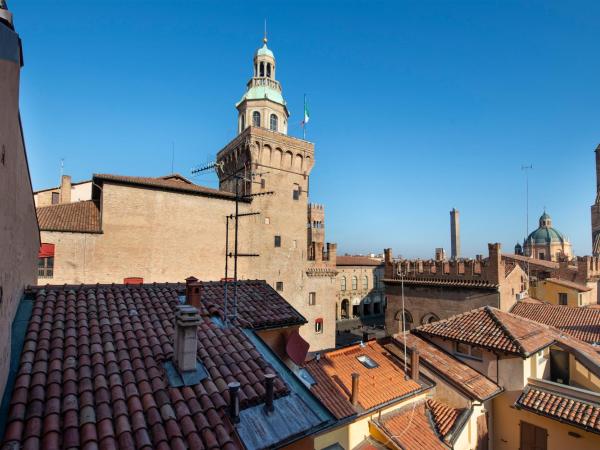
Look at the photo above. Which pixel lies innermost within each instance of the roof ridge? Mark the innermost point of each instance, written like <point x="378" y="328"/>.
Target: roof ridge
<point x="66" y="204"/>
<point x="447" y="319"/>
<point x="504" y="328"/>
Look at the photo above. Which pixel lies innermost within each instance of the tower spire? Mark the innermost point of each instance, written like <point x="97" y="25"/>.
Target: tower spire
<point x="265" y="35"/>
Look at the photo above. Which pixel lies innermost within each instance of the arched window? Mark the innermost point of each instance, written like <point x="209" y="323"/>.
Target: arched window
<point x="354" y="283"/>
<point x="242" y="123"/>
<point x="365" y="282"/>
<point x="345" y="314"/>
<point x="343" y="284"/>
<point x="408" y="320"/>
<point x="269" y="70"/>
<point x="429" y="318"/>
<point x="262" y="69"/>
<point x="273" y="123"/>
<point x="256" y="119"/>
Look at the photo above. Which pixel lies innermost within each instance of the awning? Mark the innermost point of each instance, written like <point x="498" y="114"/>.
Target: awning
<point x="46" y="251"/>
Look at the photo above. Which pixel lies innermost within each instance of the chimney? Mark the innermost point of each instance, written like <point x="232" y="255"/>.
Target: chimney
<point x="495" y="269"/>
<point x="65" y="189"/>
<point x="332" y="252"/>
<point x="354" y="395"/>
<point x="414" y="364"/>
<point x="185" y="348"/>
<point x="269" y="388"/>
<point x="365" y="336"/>
<point x="454" y="234"/>
<point x="388" y="268"/>
<point x="193" y="292"/>
<point x="234" y="402"/>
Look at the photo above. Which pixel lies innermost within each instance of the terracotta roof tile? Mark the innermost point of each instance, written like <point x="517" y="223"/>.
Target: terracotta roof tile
<point x="351" y="260"/>
<point x="412" y="428"/>
<point x="77" y="404"/>
<point x="454" y="371"/>
<point x="582" y="323"/>
<point x="377" y="386"/>
<point x="492" y="329"/>
<point x="78" y="217"/>
<point x="443" y="416"/>
<point x="576" y="411"/>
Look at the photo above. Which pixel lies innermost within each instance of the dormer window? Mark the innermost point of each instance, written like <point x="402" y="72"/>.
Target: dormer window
<point x="273" y="122"/>
<point x="256" y="119"/>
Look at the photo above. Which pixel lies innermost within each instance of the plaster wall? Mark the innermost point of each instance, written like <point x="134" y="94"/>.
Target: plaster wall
<point x="549" y="291"/>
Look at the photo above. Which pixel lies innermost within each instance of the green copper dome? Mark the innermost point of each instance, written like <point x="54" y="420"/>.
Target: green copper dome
<point x="262" y="92"/>
<point x="265" y="51"/>
<point x="545" y="234"/>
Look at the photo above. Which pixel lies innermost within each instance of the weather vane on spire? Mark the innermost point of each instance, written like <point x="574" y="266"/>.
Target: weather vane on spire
<point x="265" y="37"/>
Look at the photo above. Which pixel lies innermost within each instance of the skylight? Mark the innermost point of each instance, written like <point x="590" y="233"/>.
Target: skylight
<point x="367" y="362"/>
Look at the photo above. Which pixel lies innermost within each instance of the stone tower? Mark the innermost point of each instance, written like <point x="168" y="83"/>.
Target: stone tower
<point x="454" y="234"/>
<point x="273" y="170"/>
<point x="596" y="210"/>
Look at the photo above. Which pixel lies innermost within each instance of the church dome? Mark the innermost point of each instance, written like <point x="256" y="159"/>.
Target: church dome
<point x="264" y="51"/>
<point x="545" y="234"/>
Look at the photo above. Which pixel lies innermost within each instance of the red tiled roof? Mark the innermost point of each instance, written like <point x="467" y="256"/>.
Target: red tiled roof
<point x="582" y="323"/>
<point x="411" y="428"/>
<point x="533" y="262"/>
<point x="377" y="386"/>
<point x="77" y="217"/>
<point x="350" y="260"/>
<point x="259" y="305"/>
<point x="444" y="281"/>
<point x="565" y="408"/>
<point x="443" y="416"/>
<point x="451" y="369"/>
<point x="91" y="374"/>
<point x="492" y="329"/>
<point x="569" y="284"/>
<point x="170" y="183"/>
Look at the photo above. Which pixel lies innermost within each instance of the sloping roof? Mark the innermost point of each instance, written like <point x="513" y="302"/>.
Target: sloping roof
<point x="569" y="284"/>
<point x="259" y="305"/>
<point x="349" y="260"/>
<point x="377" y="386"/>
<point x="77" y="217"/>
<point x="492" y="329"/>
<point x="455" y="372"/>
<point x="91" y="374"/>
<point x="541" y="263"/>
<point x="582" y="323"/>
<point x="444" y="417"/>
<point x="411" y="427"/>
<point x="174" y="183"/>
<point x="561" y="406"/>
<point x="444" y="281"/>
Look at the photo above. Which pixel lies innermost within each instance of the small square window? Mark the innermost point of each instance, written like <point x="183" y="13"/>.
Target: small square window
<point x="277" y="241"/>
<point x="312" y="298"/>
<point x="279" y="285"/>
<point x="55" y="198"/>
<point x="562" y="298"/>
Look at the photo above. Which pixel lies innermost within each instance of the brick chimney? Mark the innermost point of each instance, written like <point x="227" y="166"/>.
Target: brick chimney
<point x="193" y="292"/>
<point x="414" y="364"/>
<point x="389" y="266"/>
<point x="185" y="347"/>
<point x="355" y="384"/>
<point x="65" y="189"/>
<point x="496" y="267"/>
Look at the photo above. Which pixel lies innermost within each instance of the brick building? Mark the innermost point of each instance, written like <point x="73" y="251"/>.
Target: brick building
<point x="435" y="290"/>
<point x="19" y="234"/>
<point x="164" y="228"/>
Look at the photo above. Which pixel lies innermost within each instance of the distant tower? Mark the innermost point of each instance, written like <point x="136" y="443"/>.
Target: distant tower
<point x="454" y="234"/>
<point x="263" y="105"/>
<point x="596" y="210"/>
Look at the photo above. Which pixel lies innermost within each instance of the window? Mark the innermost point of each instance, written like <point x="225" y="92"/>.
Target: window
<point x="375" y="282"/>
<point x="345" y="309"/>
<point x="269" y="70"/>
<point x="46" y="267"/>
<point x="542" y="255"/>
<point x="533" y="437"/>
<point x="243" y="123"/>
<point x="273" y="122"/>
<point x="377" y="308"/>
<point x="468" y="350"/>
<point x="366" y="309"/>
<point x="262" y="69"/>
<point x="263" y="183"/>
<point x="277" y="241"/>
<point x="343" y="284"/>
<point x="296" y="192"/>
<point x="256" y="119"/>
<point x="312" y="298"/>
<point x="279" y="286"/>
<point x="354" y="283"/>
<point x="55" y="198"/>
<point x="319" y="326"/>
<point x="580" y="299"/>
<point x="365" y="282"/>
<point x="367" y="362"/>
<point x="267" y="220"/>
<point x="562" y="298"/>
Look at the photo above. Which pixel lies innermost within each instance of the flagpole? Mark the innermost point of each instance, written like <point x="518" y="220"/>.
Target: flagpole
<point x="304" y="120"/>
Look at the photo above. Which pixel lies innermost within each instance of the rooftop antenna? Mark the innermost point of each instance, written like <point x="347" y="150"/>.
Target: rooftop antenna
<point x="527" y="169"/>
<point x="62" y="167"/>
<point x="172" y="157"/>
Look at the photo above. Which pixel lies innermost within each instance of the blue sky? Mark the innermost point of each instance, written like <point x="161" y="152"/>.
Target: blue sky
<point x="416" y="107"/>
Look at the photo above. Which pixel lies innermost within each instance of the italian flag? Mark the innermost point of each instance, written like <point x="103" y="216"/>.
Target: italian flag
<point x="306" y="113"/>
